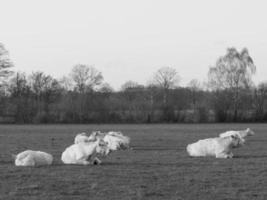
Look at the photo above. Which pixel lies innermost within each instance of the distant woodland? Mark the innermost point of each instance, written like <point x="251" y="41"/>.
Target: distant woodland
<point x="83" y="96"/>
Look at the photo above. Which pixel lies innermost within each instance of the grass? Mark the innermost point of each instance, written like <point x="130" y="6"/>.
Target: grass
<point x="157" y="168"/>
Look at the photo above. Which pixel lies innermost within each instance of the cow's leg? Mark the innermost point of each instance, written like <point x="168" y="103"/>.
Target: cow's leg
<point x="230" y="155"/>
<point x="225" y="155"/>
<point x="222" y="155"/>
<point x="83" y="162"/>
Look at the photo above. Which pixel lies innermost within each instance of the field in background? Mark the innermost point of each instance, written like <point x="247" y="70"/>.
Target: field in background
<point x="158" y="167"/>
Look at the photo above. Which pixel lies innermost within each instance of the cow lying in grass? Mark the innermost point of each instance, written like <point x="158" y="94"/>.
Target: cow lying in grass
<point x="33" y="158"/>
<point x="84" y="153"/>
<point x="115" y="140"/>
<point x="242" y="133"/>
<point x="218" y="147"/>
<point x="81" y="137"/>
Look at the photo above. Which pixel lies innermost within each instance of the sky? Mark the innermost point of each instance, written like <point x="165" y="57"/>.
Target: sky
<point x="130" y="40"/>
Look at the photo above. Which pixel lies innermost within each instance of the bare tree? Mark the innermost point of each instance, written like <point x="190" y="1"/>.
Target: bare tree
<point x="233" y="72"/>
<point x="86" y="77"/>
<point x="166" y="78"/>
<point x="152" y="91"/>
<point x="45" y="88"/>
<point x="132" y="92"/>
<point x="130" y="85"/>
<point x="260" y="100"/>
<point x="106" y="88"/>
<point x="20" y="94"/>
<point x="18" y="84"/>
<point x="66" y="83"/>
<point x="38" y="81"/>
<point x="194" y="86"/>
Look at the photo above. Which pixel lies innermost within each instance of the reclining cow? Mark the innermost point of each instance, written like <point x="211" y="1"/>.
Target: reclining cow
<point x="84" y="153"/>
<point x="81" y="137"/>
<point x="218" y="147"/>
<point x="115" y="140"/>
<point x="33" y="158"/>
<point x="242" y="133"/>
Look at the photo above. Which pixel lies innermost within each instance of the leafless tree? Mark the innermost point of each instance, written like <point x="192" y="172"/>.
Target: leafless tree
<point x="18" y="84"/>
<point x="260" y="100"/>
<point x="233" y="72"/>
<point x="20" y="94"/>
<point x="166" y="78"/>
<point x="44" y="87"/>
<point x="86" y="77"/>
<point x="194" y="85"/>
<point x="106" y="88"/>
<point x="66" y="83"/>
<point x="38" y="81"/>
<point x="130" y="85"/>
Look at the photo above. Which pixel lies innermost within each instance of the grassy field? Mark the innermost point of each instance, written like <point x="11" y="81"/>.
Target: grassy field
<point x="158" y="167"/>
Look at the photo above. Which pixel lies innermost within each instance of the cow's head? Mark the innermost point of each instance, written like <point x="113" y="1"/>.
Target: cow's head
<point x="250" y="132"/>
<point x="102" y="147"/>
<point x="96" y="135"/>
<point x="237" y="141"/>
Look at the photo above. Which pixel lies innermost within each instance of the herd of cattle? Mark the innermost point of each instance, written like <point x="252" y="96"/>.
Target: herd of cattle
<point x="82" y="152"/>
<point x="86" y="147"/>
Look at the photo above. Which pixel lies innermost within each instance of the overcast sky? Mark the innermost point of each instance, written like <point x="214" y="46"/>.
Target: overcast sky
<point x="130" y="40"/>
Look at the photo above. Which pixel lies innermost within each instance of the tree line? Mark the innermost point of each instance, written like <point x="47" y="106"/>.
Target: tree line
<point x="83" y="97"/>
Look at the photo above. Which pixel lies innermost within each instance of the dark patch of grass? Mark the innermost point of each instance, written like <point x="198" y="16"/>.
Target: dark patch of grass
<point x="158" y="167"/>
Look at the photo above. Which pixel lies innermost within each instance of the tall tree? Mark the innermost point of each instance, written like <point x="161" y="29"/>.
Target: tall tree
<point x="18" y="85"/>
<point x="86" y="77"/>
<point x="152" y="91"/>
<point x="65" y="83"/>
<point x="260" y="100"/>
<point x="46" y="90"/>
<point x="232" y="72"/>
<point x="194" y="87"/>
<point x="166" y="78"/>
<point x="106" y="88"/>
<point x="131" y="85"/>
<point x="20" y="94"/>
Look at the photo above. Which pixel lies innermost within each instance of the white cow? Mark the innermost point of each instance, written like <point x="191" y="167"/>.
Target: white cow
<point x="218" y="147"/>
<point x="84" y="137"/>
<point x="115" y="140"/>
<point x="242" y="133"/>
<point x="33" y="158"/>
<point x="81" y="137"/>
<point x="96" y="134"/>
<point x="84" y="153"/>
